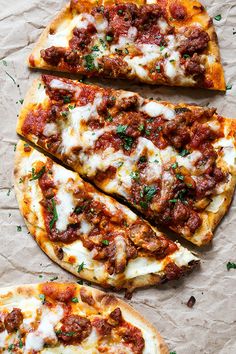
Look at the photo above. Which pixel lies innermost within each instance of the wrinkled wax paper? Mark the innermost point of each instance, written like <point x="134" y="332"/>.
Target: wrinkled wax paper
<point x="210" y="326"/>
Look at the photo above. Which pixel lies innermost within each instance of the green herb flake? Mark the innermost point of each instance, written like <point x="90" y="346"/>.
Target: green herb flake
<point x="229" y="87"/>
<point x="135" y="175"/>
<point x="42" y="298"/>
<point x="105" y="242"/>
<point x="186" y="56"/>
<point x="109" y="38"/>
<point x="37" y="175"/>
<point x="218" y="17"/>
<point x="95" y="48"/>
<point x="109" y="118"/>
<point x="21" y="344"/>
<point x="121" y="129"/>
<point x="64" y="114"/>
<point x="149" y="192"/>
<point x="74" y="300"/>
<point x="11" y="347"/>
<point x="231" y="265"/>
<point x="141" y="127"/>
<point x="81" y="267"/>
<point x="55" y="215"/>
<point x="175" y="165"/>
<point x="120" y="163"/>
<point x="66" y="99"/>
<point x="179" y="176"/>
<point x="142" y="159"/>
<point x="184" y="153"/>
<point x="19" y="228"/>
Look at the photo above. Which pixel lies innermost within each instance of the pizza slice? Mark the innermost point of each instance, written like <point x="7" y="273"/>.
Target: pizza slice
<point x="68" y="318"/>
<point x="174" y="163"/>
<point x="91" y="234"/>
<point x="169" y="42"/>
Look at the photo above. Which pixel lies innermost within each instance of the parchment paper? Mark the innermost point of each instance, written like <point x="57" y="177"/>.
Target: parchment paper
<point x="210" y="326"/>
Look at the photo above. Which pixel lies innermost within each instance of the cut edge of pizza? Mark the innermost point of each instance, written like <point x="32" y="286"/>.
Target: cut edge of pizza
<point x="183" y="52"/>
<point x="55" y="317"/>
<point x="90" y="234"/>
<point x="210" y="213"/>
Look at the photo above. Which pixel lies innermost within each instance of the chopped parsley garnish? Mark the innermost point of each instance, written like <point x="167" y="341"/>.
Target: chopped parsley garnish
<point x="179" y="176"/>
<point x="231" y="265"/>
<point x="12" y="78"/>
<point x="54" y="278"/>
<point x="105" y="242"/>
<point x="121" y="129"/>
<point x="142" y="159"/>
<point x="229" y="86"/>
<point x="55" y="215"/>
<point x="218" y="17"/>
<point x="149" y="192"/>
<point x="109" y="118"/>
<point x="19" y="228"/>
<point x="184" y="152"/>
<point x="175" y="165"/>
<point x="141" y="127"/>
<point x="11" y="347"/>
<point x="75" y="300"/>
<point x="89" y="62"/>
<point x="42" y="298"/>
<point x="158" y="68"/>
<point x="186" y="56"/>
<point x="81" y="267"/>
<point x="66" y="99"/>
<point x="95" y="48"/>
<point x="109" y="38"/>
<point x="135" y="175"/>
<point x="120" y="163"/>
<point x="21" y="344"/>
<point x="103" y="43"/>
<point x="128" y="140"/>
<point x="65" y="114"/>
<point x="37" y="175"/>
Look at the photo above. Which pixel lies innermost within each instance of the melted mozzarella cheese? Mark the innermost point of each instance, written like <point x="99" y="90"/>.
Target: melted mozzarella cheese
<point x="229" y="150"/>
<point x="155" y="109"/>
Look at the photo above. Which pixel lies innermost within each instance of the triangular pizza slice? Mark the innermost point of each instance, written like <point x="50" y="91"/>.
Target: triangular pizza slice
<point x="56" y="318"/>
<point x="168" y="42"/>
<point x="88" y="233"/>
<point x="173" y="163"/>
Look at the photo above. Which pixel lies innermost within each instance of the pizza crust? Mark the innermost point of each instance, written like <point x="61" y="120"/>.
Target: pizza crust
<point x="106" y="303"/>
<point x="215" y="71"/>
